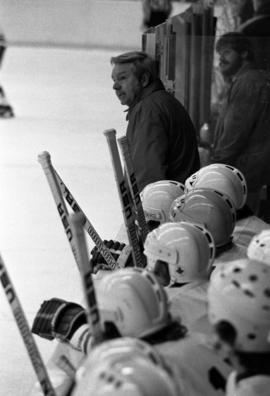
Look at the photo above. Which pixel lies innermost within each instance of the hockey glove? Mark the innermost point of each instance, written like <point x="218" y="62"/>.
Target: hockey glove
<point x="120" y="251"/>
<point x="59" y="319"/>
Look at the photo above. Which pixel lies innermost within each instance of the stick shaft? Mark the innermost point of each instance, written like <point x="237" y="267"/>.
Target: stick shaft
<point x="45" y="161"/>
<point x="132" y="181"/>
<point x="25" y="331"/>
<point x="89" y="228"/>
<point x="124" y="195"/>
<point x="77" y="221"/>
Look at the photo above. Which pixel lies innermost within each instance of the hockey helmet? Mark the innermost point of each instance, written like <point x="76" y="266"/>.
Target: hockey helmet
<point x="221" y="177"/>
<point x="134" y="301"/>
<point x="157" y="198"/>
<point x="211" y="208"/>
<point x="239" y="293"/>
<point x="259" y="247"/>
<point x="187" y="248"/>
<point x="124" y="367"/>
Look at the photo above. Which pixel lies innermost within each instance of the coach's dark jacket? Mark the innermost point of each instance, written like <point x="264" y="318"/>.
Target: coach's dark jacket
<point x="162" y="138"/>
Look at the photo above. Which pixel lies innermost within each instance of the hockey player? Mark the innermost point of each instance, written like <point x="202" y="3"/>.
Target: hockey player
<point x="138" y="306"/>
<point x="232" y="230"/>
<point x="209" y="207"/>
<point x="181" y="256"/>
<point x="125" y="366"/>
<point x="223" y="178"/>
<point x="239" y="309"/>
<point x="231" y="182"/>
<point x="134" y="303"/>
<point x="156" y="198"/>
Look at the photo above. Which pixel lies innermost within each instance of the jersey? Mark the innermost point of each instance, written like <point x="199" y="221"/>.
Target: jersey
<point x="196" y="365"/>
<point x="189" y="302"/>
<point x="258" y="385"/>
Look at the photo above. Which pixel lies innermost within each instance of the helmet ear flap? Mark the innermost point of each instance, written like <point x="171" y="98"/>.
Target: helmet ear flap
<point x="162" y="272"/>
<point x="226" y="332"/>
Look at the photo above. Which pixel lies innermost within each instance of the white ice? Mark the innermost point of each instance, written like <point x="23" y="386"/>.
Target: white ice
<point x="63" y="100"/>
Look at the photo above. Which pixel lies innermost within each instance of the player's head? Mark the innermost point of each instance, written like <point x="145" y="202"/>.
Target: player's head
<point x="134" y="301"/>
<point x="124" y="366"/>
<point x="157" y="198"/>
<point x="132" y="72"/>
<point x="179" y="252"/>
<point x="239" y="305"/>
<point x="220" y="177"/>
<point x="211" y="208"/>
<point x="259" y="247"/>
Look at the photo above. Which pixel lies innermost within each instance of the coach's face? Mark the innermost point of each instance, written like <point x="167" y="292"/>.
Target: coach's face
<point x="127" y="86"/>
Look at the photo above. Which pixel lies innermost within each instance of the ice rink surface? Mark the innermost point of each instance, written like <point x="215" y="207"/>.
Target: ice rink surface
<point x="63" y="101"/>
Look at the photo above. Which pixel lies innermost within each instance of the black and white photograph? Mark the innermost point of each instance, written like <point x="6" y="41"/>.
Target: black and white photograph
<point x="135" y="197"/>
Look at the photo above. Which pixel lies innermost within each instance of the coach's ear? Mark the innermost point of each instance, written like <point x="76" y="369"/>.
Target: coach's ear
<point x="145" y="79"/>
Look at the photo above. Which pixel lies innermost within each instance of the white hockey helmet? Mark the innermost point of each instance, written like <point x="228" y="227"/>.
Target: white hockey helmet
<point x="221" y="177"/>
<point x="157" y="198"/>
<point x="187" y="248"/>
<point x="211" y="208"/>
<point x="124" y="367"/>
<point x="259" y="247"/>
<point x="134" y="301"/>
<point x="239" y="293"/>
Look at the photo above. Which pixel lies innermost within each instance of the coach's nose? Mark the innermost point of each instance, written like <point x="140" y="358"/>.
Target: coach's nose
<point x="116" y="85"/>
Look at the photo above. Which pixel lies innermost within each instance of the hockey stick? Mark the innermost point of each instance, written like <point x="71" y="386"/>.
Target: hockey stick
<point x="112" y="263"/>
<point x="132" y="181"/>
<point x="93" y="317"/>
<point x="25" y="331"/>
<point x="45" y="160"/>
<point x="124" y="195"/>
<point x="58" y="188"/>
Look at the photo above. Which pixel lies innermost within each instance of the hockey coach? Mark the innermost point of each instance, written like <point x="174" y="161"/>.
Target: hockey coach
<point x="160" y="133"/>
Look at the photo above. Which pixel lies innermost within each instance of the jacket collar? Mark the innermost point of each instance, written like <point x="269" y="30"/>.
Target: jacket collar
<point x="156" y="85"/>
<point x="246" y="66"/>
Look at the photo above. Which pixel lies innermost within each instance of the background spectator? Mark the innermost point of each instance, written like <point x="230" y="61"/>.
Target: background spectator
<point x="241" y="137"/>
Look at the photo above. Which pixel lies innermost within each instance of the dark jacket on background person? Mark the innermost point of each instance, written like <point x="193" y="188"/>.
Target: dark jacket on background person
<point x="257" y="29"/>
<point x="162" y="138"/>
<point x="259" y="24"/>
<point x="242" y="134"/>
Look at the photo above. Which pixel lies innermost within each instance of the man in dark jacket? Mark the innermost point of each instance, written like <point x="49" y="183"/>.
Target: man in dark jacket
<point x="160" y="132"/>
<point x="241" y="136"/>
